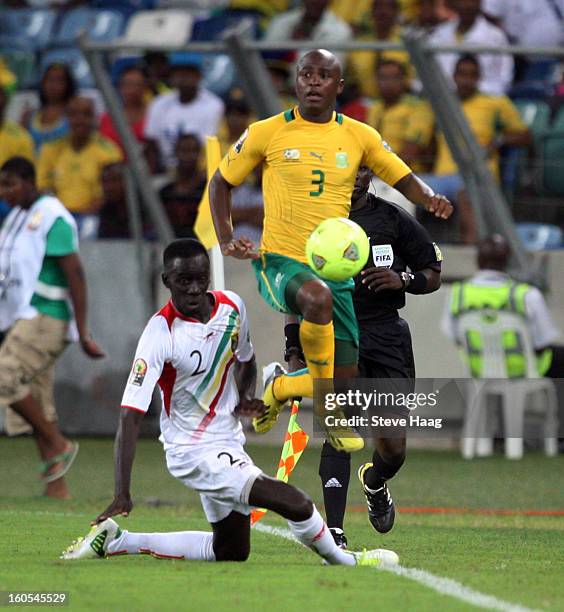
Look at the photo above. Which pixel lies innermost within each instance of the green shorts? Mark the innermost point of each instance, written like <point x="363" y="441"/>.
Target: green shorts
<point x="280" y="277"/>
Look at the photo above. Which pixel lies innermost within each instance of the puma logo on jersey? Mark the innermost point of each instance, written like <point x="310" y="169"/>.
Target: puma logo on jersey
<point x="317" y="155"/>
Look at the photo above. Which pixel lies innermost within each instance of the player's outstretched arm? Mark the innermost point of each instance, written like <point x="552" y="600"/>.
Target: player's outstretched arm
<point x="220" y="205"/>
<point x="418" y="192"/>
<point x="126" y="441"/>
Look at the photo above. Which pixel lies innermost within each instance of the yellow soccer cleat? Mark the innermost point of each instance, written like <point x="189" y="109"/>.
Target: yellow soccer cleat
<point x="345" y="439"/>
<point x="273" y="406"/>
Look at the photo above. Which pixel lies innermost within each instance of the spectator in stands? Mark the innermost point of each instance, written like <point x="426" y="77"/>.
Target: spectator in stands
<point x="133" y="89"/>
<point x="8" y="80"/>
<point x="428" y="15"/>
<point x="49" y="122"/>
<point x="157" y="68"/>
<point x="470" y="27"/>
<point x="385" y="28"/>
<point x="393" y="113"/>
<point x="235" y="121"/>
<point x="359" y="13"/>
<point x="495" y="122"/>
<point x="181" y="198"/>
<point x="534" y="24"/>
<point x="189" y="109"/>
<point x="279" y="65"/>
<point x="14" y="140"/>
<point x="312" y="21"/>
<point x="114" y="221"/>
<point x="71" y="168"/>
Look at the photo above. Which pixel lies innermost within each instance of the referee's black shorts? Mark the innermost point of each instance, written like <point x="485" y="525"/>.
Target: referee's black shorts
<point x="386" y="350"/>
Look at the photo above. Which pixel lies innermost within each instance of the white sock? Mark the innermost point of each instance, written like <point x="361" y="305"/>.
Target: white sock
<point x="314" y="533"/>
<point x="196" y="545"/>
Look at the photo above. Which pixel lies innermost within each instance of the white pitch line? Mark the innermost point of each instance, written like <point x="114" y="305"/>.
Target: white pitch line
<point x="445" y="586"/>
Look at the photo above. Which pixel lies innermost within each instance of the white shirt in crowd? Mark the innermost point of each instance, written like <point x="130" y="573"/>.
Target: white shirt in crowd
<point x="167" y="119"/>
<point x="192" y="363"/>
<point x="496" y="69"/>
<point x="330" y="29"/>
<point x="532" y="23"/>
<point x="541" y="326"/>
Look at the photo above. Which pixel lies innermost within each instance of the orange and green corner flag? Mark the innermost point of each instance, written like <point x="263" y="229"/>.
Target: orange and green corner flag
<point x="295" y="442"/>
<point x="203" y="227"/>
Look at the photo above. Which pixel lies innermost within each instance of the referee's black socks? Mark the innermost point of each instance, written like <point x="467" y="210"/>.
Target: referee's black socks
<point x="335" y="473"/>
<point x="381" y="470"/>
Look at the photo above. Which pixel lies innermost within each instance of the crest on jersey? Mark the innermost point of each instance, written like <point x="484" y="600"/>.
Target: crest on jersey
<point x="291" y="154"/>
<point x="438" y="252"/>
<point x="234" y="342"/>
<point x="35" y="220"/>
<point x="383" y="255"/>
<point x="342" y="160"/>
<point x="138" y="372"/>
<point x="239" y="144"/>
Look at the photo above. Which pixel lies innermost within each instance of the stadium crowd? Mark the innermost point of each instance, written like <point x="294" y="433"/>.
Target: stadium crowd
<point x="51" y="113"/>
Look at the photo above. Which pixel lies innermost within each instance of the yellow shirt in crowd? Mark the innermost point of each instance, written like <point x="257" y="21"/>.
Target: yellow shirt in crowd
<point x="14" y="140"/>
<point x="362" y="64"/>
<point x="309" y="172"/>
<point x="359" y="12"/>
<point x="74" y="176"/>
<point x="488" y="116"/>
<point x="396" y="123"/>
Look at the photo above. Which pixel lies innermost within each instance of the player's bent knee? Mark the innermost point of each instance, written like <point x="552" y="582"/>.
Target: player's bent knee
<point x="314" y="298"/>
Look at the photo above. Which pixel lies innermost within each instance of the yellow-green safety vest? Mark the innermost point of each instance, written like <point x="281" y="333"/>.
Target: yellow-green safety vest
<point x="509" y="297"/>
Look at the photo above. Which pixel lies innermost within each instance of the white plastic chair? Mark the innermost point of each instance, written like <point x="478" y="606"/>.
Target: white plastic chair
<point x="516" y="394"/>
<point x="172" y="26"/>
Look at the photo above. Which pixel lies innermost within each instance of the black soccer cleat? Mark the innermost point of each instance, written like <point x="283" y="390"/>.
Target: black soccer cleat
<point x="339" y="537"/>
<point x="381" y="510"/>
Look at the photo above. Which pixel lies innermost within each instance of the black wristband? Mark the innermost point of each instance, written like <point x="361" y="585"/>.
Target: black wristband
<point x="418" y="284"/>
<point x="292" y="335"/>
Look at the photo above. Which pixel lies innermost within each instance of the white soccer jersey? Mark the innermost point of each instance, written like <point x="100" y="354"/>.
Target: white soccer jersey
<point x="192" y="363"/>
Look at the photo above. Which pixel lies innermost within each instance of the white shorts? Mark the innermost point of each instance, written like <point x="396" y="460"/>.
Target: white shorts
<point x="223" y="474"/>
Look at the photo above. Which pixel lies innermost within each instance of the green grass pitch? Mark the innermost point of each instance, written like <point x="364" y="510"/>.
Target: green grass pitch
<point x="514" y="557"/>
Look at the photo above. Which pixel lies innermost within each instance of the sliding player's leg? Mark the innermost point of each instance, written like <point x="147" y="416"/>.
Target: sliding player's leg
<point x="307" y="525"/>
<point x="229" y="541"/>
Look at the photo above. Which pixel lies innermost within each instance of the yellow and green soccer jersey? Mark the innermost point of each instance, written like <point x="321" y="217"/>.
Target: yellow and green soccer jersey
<point x="309" y="172"/>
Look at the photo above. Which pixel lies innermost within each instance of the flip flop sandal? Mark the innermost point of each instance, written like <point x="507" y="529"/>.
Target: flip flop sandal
<point x="66" y="459"/>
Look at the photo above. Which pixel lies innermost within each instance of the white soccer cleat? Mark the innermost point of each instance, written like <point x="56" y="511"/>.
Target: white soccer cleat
<point x="377" y="557"/>
<point x="95" y="544"/>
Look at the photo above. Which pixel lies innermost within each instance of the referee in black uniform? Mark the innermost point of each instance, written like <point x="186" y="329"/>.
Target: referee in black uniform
<point x="397" y="242"/>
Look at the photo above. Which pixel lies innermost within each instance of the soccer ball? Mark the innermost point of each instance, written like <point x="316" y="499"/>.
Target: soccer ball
<point x="337" y="249"/>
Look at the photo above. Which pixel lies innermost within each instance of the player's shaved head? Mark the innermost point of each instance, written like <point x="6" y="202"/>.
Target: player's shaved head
<point x="319" y="80"/>
<point x="493" y="253"/>
<point x="185" y="248"/>
<point x="330" y="60"/>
